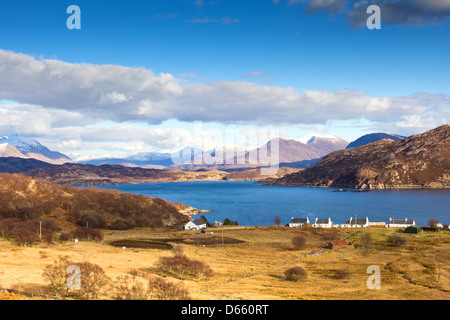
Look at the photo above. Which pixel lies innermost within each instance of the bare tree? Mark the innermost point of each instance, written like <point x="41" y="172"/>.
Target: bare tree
<point x="93" y="280"/>
<point x="276" y="220"/>
<point x="433" y="223"/>
<point x="129" y="287"/>
<point x="396" y="240"/>
<point x="181" y="266"/>
<point x="366" y="239"/>
<point x="162" y="289"/>
<point x="56" y="276"/>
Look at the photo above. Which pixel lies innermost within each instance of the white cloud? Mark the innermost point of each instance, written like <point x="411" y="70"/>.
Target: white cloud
<point x="59" y="100"/>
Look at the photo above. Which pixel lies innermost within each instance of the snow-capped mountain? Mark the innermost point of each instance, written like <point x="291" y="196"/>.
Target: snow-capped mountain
<point x="310" y="138"/>
<point x="227" y="157"/>
<point x="7" y="150"/>
<point x="30" y="149"/>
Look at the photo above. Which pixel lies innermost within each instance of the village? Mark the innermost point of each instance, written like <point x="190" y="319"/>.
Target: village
<point x="409" y="225"/>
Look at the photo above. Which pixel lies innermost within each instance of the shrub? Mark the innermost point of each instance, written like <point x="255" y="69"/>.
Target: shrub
<point x="299" y="242"/>
<point x="141" y="222"/>
<point x="83" y="233"/>
<point x="228" y="222"/>
<point x="49" y="226"/>
<point x="92" y="220"/>
<point x="7" y="226"/>
<point x="162" y="289"/>
<point x="24" y="237"/>
<point x="56" y="276"/>
<point x="396" y="240"/>
<point x="128" y="287"/>
<point x="366" y="240"/>
<point x="342" y="274"/>
<point x="93" y="281"/>
<point x="296" y="274"/>
<point x="181" y="266"/>
<point x="120" y="225"/>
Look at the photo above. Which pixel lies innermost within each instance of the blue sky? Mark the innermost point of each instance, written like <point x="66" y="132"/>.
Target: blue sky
<point x="279" y="49"/>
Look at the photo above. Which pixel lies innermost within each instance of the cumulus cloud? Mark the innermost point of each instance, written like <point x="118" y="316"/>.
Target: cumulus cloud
<point x="54" y="95"/>
<point x="86" y="87"/>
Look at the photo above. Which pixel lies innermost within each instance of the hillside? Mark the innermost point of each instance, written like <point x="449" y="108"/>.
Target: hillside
<point x="15" y="164"/>
<point x="90" y="175"/>
<point x="373" y="137"/>
<point x="419" y="161"/>
<point x="26" y="198"/>
<point x="255" y="174"/>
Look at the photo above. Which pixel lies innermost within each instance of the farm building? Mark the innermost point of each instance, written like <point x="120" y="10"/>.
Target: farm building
<point x="197" y="224"/>
<point x="413" y="229"/>
<point x="400" y="223"/>
<point x="322" y="223"/>
<point x="341" y="244"/>
<point x="298" y="222"/>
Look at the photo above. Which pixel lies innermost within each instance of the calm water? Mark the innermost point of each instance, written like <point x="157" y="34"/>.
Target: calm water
<point x="253" y="204"/>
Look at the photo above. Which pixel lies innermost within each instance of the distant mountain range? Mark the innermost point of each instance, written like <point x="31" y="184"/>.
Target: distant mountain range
<point x="291" y="153"/>
<point x="419" y="161"/>
<point x="300" y="153"/>
<point x="21" y="147"/>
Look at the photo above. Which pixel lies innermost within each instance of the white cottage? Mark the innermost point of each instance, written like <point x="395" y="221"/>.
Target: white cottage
<point x="400" y="223"/>
<point x="356" y="223"/>
<point x="322" y="223"/>
<point x="298" y="222"/>
<point x="197" y="224"/>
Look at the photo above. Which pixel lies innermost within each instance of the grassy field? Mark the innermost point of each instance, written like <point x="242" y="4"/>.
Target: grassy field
<point x="251" y="262"/>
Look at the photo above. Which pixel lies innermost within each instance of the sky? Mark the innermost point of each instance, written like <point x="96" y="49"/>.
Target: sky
<point x="139" y="74"/>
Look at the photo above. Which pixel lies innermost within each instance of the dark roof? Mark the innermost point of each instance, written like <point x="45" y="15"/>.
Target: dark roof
<point x="299" y="220"/>
<point x="357" y="221"/>
<point x="322" y="221"/>
<point x="401" y="221"/>
<point x="199" y="222"/>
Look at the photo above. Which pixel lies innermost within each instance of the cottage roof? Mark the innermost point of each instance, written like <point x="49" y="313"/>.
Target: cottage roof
<point x="198" y="222"/>
<point x="299" y="220"/>
<point x="402" y="221"/>
<point x="324" y="221"/>
<point x="357" y="221"/>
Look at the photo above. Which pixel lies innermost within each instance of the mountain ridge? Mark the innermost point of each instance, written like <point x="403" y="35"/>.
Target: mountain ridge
<point x="418" y="161"/>
<point x="32" y="149"/>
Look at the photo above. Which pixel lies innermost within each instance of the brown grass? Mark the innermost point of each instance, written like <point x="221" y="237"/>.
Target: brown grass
<point x="254" y="269"/>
